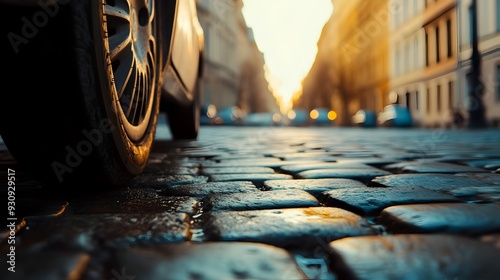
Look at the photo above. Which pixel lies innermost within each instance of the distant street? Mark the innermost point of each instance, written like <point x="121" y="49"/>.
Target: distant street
<point x="274" y="203"/>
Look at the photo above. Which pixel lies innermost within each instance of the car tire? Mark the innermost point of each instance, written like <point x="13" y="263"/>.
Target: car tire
<point x="78" y="117"/>
<point x="184" y="119"/>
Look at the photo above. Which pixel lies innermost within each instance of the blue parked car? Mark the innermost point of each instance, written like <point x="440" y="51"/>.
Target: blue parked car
<point x="229" y="116"/>
<point x="322" y="117"/>
<point x="208" y="112"/>
<point x="298" y="117"/>
<point x="395" y="116"/>
<point x="365" y="118"/>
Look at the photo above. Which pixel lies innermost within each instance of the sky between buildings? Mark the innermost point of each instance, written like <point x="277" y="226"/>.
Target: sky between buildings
<point x="287" y="31"/>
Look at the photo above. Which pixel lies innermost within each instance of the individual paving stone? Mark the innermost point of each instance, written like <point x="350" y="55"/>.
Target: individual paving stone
<point x="315" y="155"/>
<point x="161" y="181"/>
<point x="204" y="189"/>
<point x="281" y="150"/>
<point x="118" y="229"/>
<point x="451" y="158"/>
<point x="490" y="178"/>
<point x="237" y="170"/>
<point x="262" y="162"/>
<point x="259" y="200"/>
<point x="465" y="192"/>
<point x="296" y="168"/>
<point x="414" y="256"/>
<point x="484" y="198"/>
<point x="292" y="227"/>
<point x="312" y="186"/>
<point x="435" y="182"/>
<point x="238" y="156"/>
<point x="435" y="167"/>
<point x="461" y="218"/>
<point x="170" y="204"/>
<point x="370" y="201"/>
<point x="364" y="175"/>
<point x="403" y="156"/>
<point x="257" y="179"/>
<point x="210" y="261"/>
<point x="49" y="264"/>
<point x="374" y="161"/>
<point x="491" y="164"/>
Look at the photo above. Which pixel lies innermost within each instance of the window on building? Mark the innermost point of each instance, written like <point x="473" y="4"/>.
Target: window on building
<point x="497" y="15"/>
<point x="448" y="38"/>
<point x="428" y="100"/>
<point x="407" y="98"/>
<point x="416" y="100"/>
<point x="451" y="95"/>
<point x="471" y="17"/>
<point x="416" y="54"/>
<point x="437" y="44"/>
<point x="497" y="84"/>
<point x="207" y="33"/>
<point x="405" y="9"/>
<point x="426" y="49"/>
<point x="438" y="98"/>
<point x="468" y="77"/>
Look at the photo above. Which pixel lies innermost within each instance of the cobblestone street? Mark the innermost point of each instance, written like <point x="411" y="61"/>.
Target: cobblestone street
<point x="274" y="203"/>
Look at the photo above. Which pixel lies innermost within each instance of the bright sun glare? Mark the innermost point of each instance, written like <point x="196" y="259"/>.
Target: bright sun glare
<point x="287" y="32"/>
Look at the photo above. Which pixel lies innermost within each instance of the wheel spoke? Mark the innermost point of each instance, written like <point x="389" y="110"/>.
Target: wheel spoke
<point x="123" y="73"/>
<point x="133" y="94"/>
<point x="118" y="12"/>
<point x="120" y="42"/>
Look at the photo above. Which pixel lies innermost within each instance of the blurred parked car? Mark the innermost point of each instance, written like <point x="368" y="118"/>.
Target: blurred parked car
<point x="365" y="118"/>
<point x="298" y="117"/>
<point x="395" y="116"/>
<point x="208" y="112"/>
<point x="262" y="119"/>
<point x="229" y="116"/>
<point x="89" y="79"/>
<point x="322" y="117"/>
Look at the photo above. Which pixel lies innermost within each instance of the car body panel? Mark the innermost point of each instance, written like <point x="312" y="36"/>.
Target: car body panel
<point x="186" y="47"/>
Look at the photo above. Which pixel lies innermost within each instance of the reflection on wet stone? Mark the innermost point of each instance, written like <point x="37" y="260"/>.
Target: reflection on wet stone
<point x="297" y="227"/>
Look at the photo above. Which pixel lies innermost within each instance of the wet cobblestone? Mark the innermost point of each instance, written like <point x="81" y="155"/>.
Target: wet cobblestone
<point x="414" y="257"/>
<point x="276" y="203"/>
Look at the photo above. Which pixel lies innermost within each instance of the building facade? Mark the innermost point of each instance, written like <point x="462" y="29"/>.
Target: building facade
<point x="229" y="46"/>
<point x="488" y="23"/>
<point x="351" y="70"/>
<point x="424" y="58"/>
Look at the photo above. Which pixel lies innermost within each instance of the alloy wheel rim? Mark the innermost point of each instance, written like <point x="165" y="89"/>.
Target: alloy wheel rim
<point x="132" y="55"/>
